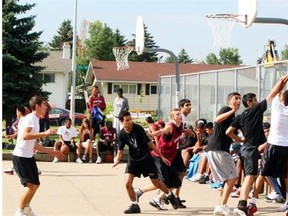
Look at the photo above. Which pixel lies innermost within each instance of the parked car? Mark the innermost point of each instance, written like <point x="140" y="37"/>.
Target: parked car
<point x="58" y="115"/>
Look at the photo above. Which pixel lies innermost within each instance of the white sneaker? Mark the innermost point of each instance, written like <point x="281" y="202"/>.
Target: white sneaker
<point x="238" y="212"/>
<point x="78" y="160"/>
<point x="84" y="158"/>
<point x="272" y="195"/>
<point x="223" y="210"/>
<point x="99" y="160"/>
<point x="196" y="177"/>
<point x="9" y="171"/>
<point x="28" y="211"/>
<point x="283" y="208"/>
<point x="56" y="160"/>
<point x="19" y="213"/>
<point x="90" y="161"/>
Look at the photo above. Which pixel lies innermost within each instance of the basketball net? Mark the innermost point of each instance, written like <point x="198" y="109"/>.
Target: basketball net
<point x="221" y="26"/>
<point x="121" y="55"/>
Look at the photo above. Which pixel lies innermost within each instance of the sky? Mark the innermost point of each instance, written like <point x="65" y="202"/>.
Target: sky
<point x="174" y="24"/>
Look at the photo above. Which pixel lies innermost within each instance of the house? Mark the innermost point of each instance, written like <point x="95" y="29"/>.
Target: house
<point x="58" y="65"/>
<point x="139" y="82"/>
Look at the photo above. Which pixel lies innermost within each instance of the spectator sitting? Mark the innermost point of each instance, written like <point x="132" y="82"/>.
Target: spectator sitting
<point x="107" y="140"/>
<point x="86" y="135"/>
<point x="67" y="134"/>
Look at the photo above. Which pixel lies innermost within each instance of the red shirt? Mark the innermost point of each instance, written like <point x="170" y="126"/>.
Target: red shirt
<point x="107" y="134"/>
<point x="93" y="101"/>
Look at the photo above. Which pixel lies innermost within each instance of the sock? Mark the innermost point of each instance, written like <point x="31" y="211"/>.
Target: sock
<point x="135" y="202"/>
<point x="242" y="203"/>
<point x="254" y="200"/>
<point x="169" y="193"/>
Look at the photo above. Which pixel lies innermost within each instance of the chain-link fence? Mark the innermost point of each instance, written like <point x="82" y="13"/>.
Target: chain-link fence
<point x="208" y="90"/>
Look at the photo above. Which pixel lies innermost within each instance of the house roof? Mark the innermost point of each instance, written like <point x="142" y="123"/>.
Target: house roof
<point x="55" y="62"/>
<point x="143" y="71"/>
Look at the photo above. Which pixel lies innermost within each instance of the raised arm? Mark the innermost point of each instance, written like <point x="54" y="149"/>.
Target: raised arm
<point x="277" y="88"/>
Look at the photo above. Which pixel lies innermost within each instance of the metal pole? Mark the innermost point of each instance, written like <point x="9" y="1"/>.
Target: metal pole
<point x="73" y="74"/>
<point x="177" y="93"/>
<point x="271" y="20"/>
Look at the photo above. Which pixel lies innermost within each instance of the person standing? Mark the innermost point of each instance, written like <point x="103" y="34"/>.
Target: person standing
<point x="23" y="161"/>
<point x="120" y="104"/>
<point x="220" y="160"/>
<point x="97" y="106"/>
<point x="140" y="160"/>
<point x="250" y="123"/>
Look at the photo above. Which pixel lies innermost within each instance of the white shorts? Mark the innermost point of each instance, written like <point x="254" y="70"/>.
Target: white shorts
<point x="222" y="166"/>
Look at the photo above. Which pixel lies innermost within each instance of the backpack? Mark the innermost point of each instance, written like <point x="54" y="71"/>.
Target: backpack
<point x="97" y="114"/>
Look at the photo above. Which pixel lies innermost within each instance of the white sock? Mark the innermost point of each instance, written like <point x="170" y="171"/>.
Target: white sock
<point x="254" y="200"/>
<point x="135" y="203"/>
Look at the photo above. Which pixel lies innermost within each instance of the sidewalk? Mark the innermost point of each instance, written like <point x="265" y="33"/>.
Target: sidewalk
<point x="97" y="189"/>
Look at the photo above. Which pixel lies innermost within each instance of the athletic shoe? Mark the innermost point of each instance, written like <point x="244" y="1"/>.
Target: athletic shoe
<point x="78" y="160"/>
<point x="195" y="178"/>
<point x="172" y="199"/>
<point x="138" y="193"/>
<point x="279" y="199"/>
<point x="250" y="195"/>
<point x="99" y="160"/>
<point x="181" y="205"/>
<point x="271" y="196"/>
<point x="157" y="204"/>
<point x="56" y="160"/>
<point x="19" y="213"/>
<point x="203" y="179"/>
<point x="133" y="209"/>
<point x="283" y="208"/>
<point x="235" y="194"/>
<point x="90" y="161"/>
<point x="9" y="171"/>
<point x="84" y="158"/>
<point x="39" y="171"/>
<point x="223" y="210"/>
<point x="240" y="211"/>
<point x="28" y="211"/>
<point x="165" y="200"/>
<point x="252" y="208"/>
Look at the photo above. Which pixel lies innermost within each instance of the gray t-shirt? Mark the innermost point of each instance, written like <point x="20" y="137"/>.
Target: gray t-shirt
<point x="120" y="104"/>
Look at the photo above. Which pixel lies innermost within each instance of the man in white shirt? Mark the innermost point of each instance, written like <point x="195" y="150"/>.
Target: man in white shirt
<point x="120" y="104"/>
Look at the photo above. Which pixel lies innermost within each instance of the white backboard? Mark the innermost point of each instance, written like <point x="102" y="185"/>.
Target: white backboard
<point x="247" y="8"/>
<point x="139" y="38"/>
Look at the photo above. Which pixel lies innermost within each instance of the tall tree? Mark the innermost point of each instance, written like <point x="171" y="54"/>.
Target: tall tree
<point x="120" y="39"/>
<point x="183" y="57"/>
<point x="148" y="43"/>
<point x="65" y="34"/>
<point x="20" y="53"/>
<point x="284" y="53"/>
<point x="211" y="58"/>
<point x="102" y="40"/>
<point x="230" y="56"/>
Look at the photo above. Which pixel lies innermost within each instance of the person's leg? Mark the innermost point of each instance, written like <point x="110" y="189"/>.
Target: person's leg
<point x="225" y="193"/>
<point x="78" y="149"/>
<point x="129" y="186"/>
<point x="246" y="186"/>
<point x="90" y="149"/>
<point x="28" y="195"/>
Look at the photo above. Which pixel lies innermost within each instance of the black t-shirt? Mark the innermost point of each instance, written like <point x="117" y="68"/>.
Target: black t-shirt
<point x="250" y="123"/>
<point x="137" y="141"/>
<point x="219" y="141"/>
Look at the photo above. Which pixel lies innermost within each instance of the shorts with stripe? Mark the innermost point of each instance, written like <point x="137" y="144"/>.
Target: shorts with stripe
<point x="26" y="169"/>
<point x="222" y="166"/>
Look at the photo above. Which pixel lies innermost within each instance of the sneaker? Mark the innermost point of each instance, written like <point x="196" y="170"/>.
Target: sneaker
<point x="203" y="179"/>
<point x="279" y="199"/>
<point x="181" y="205"/>
<point x="56" y="160"/>
<point x="283" y="208"/>
<point x="250" y="195"/>
<point x="99" y="160"/>
<point x="172" y="199"/>
<point x="138" y="193"/>
<point x="271" y="196"/>
<point x="133" y="208"/>
<point x="19" y="213"/>
<point x="240" y="211"/>
<point x="78" y="160"/>
<point x="90" y="161"/>
<point x="84" y="158"/>
<point x="223" y="210"/>
<point x="235" y="194"/>
<point x="195" y="178"/>
<point x="39" y="172"/>
<point x="252" y="208"/>
<point x="157" y="204"/>
<point x="166" y="200"/>
<point x="28" y="211"/>
<point x="9" y="171"/>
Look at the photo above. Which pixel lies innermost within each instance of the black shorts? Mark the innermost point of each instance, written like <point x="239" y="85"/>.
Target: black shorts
<point x="108" y="147"/>
<point x="167" y="174"/>
<point x="249" y="156"/>
<point x="26" y="170"/>
<point x="70" y="146"/>
<point x="146" y="167"/>
<point x="274" y="163"/>
<point x="179" y="163"/>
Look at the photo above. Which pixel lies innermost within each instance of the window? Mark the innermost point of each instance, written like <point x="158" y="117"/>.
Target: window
<point x="127" y="89"/>
<point x="153" y="89"/>
<point x="47" y="78"/>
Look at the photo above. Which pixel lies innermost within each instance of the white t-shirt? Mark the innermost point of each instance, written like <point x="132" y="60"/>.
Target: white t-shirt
<point x="24" y="148"/>
<point x="67" y="133"/>
<point x="119" y="105"/>
<point x="279" y="123"/>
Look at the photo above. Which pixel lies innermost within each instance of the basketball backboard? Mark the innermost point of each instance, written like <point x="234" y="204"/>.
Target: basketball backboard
<point x="139" y="37"/>
<point x="247" y="9"/>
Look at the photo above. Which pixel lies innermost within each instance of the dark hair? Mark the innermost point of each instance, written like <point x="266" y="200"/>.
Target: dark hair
<point x="36" y="100"/>
<point x="248" y="97"/>
<point x="22" y="110"/>
<point x="209" y="125"/>
<point x="183" y="101"/>
<point x="119" y="90"/>
<point x="285" y="97"/>
<point x="232" y="94"/>
<point x="108" y="123"/>
<point x="200" y="123"/>
<point x="123" y="114"/>
<point x="67" y="120"/>
<point x="149" y="120"/>
<point x="266" y="125"/>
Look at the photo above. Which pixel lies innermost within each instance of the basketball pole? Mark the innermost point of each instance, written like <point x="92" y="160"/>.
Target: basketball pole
<point x="266" y="20"/>
<point x="177" y="78"/>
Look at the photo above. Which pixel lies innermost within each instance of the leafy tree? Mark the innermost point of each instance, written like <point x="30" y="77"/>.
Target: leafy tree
<point x="20" y="53"/>
<point x="284" y="52"/>
<point x="65" y="34"/>
<point x="211" y="58"/>
<point x="120" y="39"/>
<point x="169" y="59"/>
<point x="146" y="56"/>
<point x="230" y="56"/>
<point x="183" y="57"/>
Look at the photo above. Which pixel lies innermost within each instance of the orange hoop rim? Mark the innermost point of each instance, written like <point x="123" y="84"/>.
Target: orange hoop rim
<point x="230" y="17"/>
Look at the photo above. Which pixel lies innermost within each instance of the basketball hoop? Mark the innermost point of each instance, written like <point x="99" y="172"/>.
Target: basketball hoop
<point x="121" y="56"/>
<point x="221" y="26"/>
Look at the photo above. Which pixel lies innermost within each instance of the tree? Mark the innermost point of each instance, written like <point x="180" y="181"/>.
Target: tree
<point x="211" y="58"/>
<point x="284" y="53"/>
<point x="120" y="39"/>
<point x="146" y="56"/>
<point x="65" y="34"/>
<point x="230" y="56"/>
<point x="183" y="57"/>
<point x="102" y="40"/>
<point x="20" y="53"/>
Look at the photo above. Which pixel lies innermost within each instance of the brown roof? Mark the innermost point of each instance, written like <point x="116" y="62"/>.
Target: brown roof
<point x="147" y="71"/>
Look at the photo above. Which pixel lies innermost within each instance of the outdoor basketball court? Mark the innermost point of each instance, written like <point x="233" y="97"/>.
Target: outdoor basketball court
<point x="71" y="189"/>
